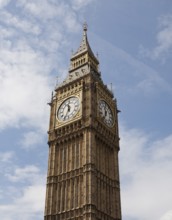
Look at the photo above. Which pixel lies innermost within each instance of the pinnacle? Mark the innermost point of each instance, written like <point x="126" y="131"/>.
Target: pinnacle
<point x="84" y="45"/>
<point x="85" y="26"/>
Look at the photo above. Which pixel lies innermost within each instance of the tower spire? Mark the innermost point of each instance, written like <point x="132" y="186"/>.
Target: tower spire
<point x="85" y="26"/>
<point x="84" y="52"/>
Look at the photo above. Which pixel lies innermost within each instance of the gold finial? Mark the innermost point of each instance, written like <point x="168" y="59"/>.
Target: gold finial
<point x="85" y="26"/>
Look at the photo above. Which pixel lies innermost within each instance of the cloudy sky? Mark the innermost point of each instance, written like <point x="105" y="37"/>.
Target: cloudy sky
<point x="134" y="42"/>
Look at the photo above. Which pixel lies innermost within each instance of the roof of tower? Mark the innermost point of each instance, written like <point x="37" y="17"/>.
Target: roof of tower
<point x="84" y="46"/>
<point x="83" y="62"/>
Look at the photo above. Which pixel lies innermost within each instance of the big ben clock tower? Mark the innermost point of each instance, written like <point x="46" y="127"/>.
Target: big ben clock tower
<point x="83" y="170"/>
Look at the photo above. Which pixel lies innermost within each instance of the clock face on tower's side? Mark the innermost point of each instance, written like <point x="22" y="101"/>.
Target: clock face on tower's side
<point x="68" y="109"/>
<point x="106" y="113"/>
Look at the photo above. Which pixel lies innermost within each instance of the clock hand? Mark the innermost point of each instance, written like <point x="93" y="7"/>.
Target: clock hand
<point x="105" y="113"/>
<point x="68" y="110"/>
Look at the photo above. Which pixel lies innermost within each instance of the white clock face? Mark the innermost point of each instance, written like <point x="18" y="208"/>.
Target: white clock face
<point x="106" y="113"/>
<point x="68" y="109"/>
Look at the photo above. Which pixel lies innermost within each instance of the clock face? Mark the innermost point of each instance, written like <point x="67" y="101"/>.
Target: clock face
<point x="106" y="113"/>
<point x="68" y="109"/>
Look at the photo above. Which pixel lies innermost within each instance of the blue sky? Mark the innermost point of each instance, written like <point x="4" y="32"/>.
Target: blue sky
<point x="134" y="42"/>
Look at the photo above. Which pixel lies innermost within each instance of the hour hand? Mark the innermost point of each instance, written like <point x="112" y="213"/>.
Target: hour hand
<point x="68" y="110"/>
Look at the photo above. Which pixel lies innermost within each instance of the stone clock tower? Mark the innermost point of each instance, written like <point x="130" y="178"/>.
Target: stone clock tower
<point x="83" y="170"/>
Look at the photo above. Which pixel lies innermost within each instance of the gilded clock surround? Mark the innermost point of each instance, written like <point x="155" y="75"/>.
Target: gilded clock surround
<point x="75" y="116"/>
<point x="83" y="169"/>
<point x="106" y="113"/>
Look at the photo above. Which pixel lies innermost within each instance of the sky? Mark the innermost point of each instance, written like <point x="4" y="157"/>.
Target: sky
<point x="134" y="42"/>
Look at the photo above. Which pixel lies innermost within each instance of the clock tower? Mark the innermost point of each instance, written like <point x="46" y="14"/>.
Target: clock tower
<point x="83" y="170"/>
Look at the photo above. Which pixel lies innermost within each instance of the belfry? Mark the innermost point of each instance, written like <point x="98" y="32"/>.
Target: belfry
<point x="83" y="169"/>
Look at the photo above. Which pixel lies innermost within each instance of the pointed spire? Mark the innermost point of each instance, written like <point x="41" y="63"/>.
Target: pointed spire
<point x="84" y="45"/>
<point x="83" y="61"/>
<point x="85" y="26"/>
<point x="84" y="55"/>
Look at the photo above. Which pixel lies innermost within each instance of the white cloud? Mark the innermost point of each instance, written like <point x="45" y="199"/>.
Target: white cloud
<point x="70" y="22"/>
<point x="78" y="4"/>
<point x="27" y="174"/>
<point x="31" y="139"/>
<point x="7" y="159"/>
<point x="162" y="149"/>
<point x="6" y="33"/>
<point x="29" y="205"/>
<point x="40" y="8"/>
<point x="25" y="84"/>
<point x="23" y="92"/>
<point x="34" y="196"/>
<point x="3" y="3"/>
<point x="23" y="197"/>
<point x="46" y="10"/>
<point x="6" y="156"/>
<point x="20" y="23"/>
<point x="137" y="141"/>
<point x="146" y="168"/>
<point x="167" y="216"/>
<point x="163" y="38"/>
